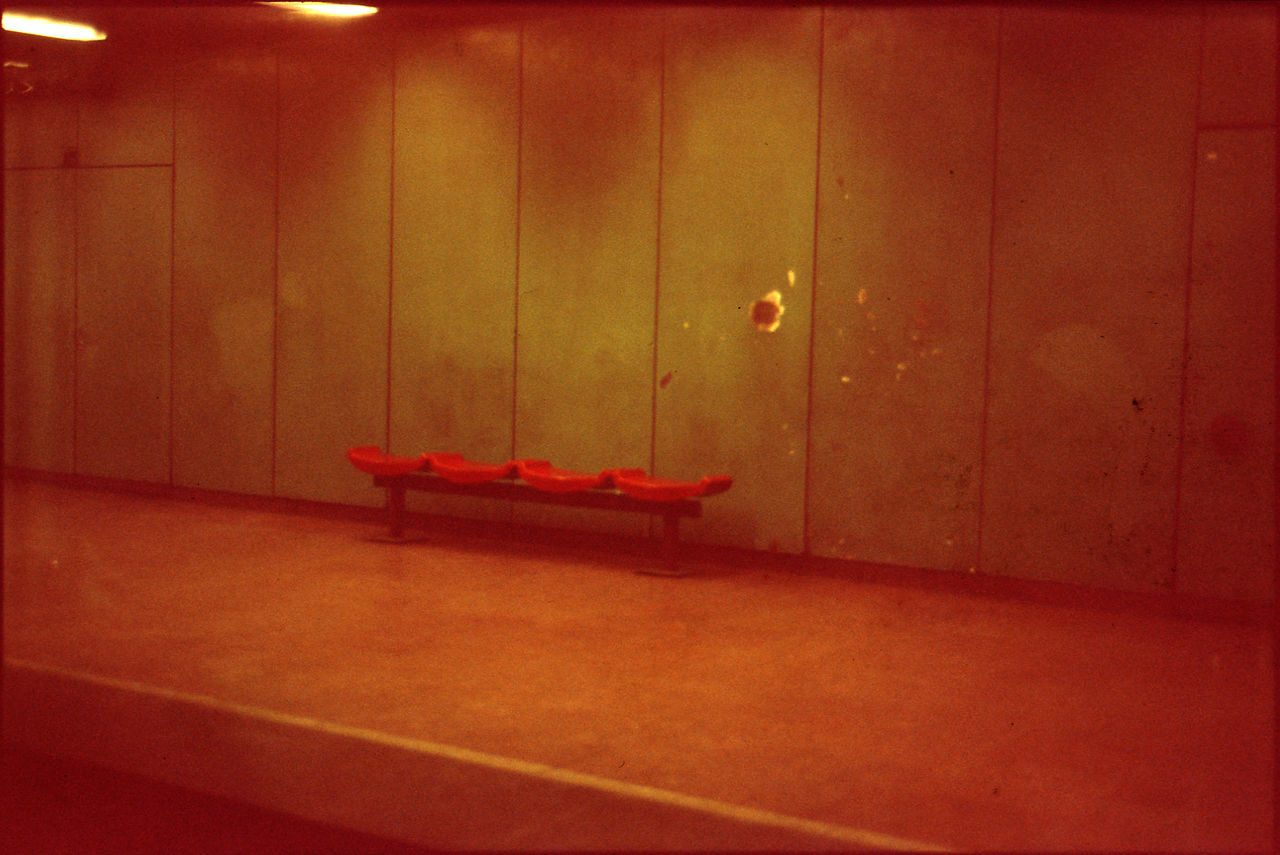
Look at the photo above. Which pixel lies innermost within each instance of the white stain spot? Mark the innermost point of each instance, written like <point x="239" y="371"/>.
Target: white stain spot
<point x="844" y="378"/>
<point x="862" y="296"/>
<point x="1211" y="156"/>
<point x="685" y="325"/>
<point x="901" y="366"/>
<point x="791" y="278"/>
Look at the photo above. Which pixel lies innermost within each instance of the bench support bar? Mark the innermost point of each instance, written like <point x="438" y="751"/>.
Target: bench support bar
<point x="515" y="491"/>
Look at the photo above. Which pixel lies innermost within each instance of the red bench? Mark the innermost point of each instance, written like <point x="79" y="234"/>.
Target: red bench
<point x="538" y="481"/>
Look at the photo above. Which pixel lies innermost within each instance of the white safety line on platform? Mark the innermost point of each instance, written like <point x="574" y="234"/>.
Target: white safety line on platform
<point x="528" y="768"/>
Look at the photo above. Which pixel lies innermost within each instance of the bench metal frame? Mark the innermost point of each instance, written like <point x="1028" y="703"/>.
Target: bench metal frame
<point x="507" y="489"/>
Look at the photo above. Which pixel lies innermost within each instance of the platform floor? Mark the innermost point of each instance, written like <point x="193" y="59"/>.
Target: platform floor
<point x="51" y="805"/>
<point x="568" y="702"/>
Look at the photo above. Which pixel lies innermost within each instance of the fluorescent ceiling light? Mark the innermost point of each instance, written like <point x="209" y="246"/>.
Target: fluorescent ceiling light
<point x="333" y="10"/>
<point x="54" y="29"/>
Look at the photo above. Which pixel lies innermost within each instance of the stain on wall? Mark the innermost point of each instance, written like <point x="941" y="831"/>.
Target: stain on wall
<point x="453" y="298"/>
<point x="739" y="162"/>
<point x="904" y="220"/>
<point x="588" y="234"/>
<point x="1089" y="281"/>
<point x="224" y="268"/>
<point x="1227" y="514"/>
<point x="333" y="275"/>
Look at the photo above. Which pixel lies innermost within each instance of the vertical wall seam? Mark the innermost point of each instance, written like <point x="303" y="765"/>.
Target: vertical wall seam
<point x="657" y="255"/>
<point x="515" y="324"/>
<point x="4" y="299"/>
<point x="75" y="300"/>
<point x="1185" y="370"/>
<point x="985" y="418"/>
<point x="391" y="243"/>
<point x="275" y="283"/>
<point x="1275" y="590"/>
<point x="173" y="257"/>
<point x="805" y="538"/>
<point x="1275" y="477"/>
<point x="657" y="264"/>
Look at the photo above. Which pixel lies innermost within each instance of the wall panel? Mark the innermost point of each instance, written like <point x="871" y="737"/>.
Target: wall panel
<point x="900" y="303"/>
<point x="1092" y="217"/>
<point x="588" y="247"/>
<point x="39" y="131"/>
<point x="124" y="284"/>
<point x="126" y="117"/>
<point x="456" y="156"/>
<point x="39" y="318"/>
<point x="1227" y="520"/>
<point x="42" y="99"/>
<point x="224" y="273"/>
<point x="739" y="162"/>
<point x="435" y="268"/>
<point x="334" y="261"/>
<point x="1239" y="81"/>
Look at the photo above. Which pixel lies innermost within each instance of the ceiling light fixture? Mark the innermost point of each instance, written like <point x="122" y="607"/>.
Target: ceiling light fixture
<point x="15" y="22"/>
<point x="332" y="10"/>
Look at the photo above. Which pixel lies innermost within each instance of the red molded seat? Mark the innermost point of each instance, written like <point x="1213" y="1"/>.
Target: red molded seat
<point x="459" y="470"/>
<point x="371" y="459"/>
<point x="638" y="485"/>
<point x="541" y="474"/>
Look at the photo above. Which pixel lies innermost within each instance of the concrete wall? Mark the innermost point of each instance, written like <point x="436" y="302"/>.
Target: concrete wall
<point x="1026" y="255"/>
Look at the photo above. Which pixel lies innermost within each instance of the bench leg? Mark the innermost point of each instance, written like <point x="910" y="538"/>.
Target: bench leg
<point x="395" y="508"/>
<point x="670" y="548"/>
<point x="670" y="564"/>
<point x="671" y="542"/>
